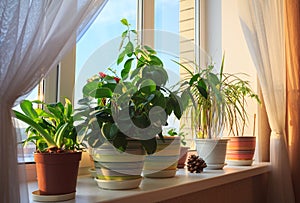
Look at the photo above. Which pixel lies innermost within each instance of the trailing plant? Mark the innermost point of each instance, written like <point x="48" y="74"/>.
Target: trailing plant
<point x="135" y="105"/>
<point x="51" y="129"/>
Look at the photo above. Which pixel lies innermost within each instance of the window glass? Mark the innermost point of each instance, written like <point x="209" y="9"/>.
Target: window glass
<point x="29" y="149"/>
<point x="167" y="42"/>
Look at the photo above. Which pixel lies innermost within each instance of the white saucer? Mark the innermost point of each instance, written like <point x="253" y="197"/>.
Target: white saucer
<point x="215" y="166"/>
<point x="118" y="184"/>
<point x="51" y="198"/>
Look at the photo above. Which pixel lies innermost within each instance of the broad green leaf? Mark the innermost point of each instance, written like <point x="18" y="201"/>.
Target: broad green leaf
<point x="27" y="108"/>
<point x="89" y="87"/>
<point x="147" y="86"/>
<point x="121" y="57"/>
<point x="103" y="92"/>
<point x="129" y="49"/>
<point x="154" y="60"/>
<point x="120" y="142"/>
<point x="126" y="69"/>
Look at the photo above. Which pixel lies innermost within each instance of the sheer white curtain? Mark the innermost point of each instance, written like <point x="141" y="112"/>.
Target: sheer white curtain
<point x="262" y="23"/>
<point x="34" y="35"/>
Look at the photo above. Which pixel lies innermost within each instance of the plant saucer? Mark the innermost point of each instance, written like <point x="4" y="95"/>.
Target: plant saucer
<point x="36" y="196"/>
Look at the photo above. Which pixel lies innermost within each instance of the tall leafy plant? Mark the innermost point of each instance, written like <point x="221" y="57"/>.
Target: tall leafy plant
<point x="135" y="105"/>
<point x="204" y="89"/>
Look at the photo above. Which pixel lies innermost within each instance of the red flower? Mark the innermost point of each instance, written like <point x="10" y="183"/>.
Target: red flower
<point x="102" y="75"/>
<point x="117" y="79"/>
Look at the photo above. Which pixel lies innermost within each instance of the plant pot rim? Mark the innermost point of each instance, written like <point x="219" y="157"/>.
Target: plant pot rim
<point x="63" y="152"/>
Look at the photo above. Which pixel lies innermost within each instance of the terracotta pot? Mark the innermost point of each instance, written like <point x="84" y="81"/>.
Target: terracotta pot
<point x="240" y="151"/>
<point x="163" y="163"/>
<point x="213" y="151"/>
<point x="57" y="172"/>
<point x="182" y="157"/>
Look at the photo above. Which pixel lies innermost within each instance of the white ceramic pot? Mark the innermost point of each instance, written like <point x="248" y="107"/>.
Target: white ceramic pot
<point x="212" y="151"/>
<point x="117" y="170"/>
<point x="163" y="163"/>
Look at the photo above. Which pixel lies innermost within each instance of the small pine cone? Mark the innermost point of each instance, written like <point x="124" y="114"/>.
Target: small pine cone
<point x="195" y="164"/>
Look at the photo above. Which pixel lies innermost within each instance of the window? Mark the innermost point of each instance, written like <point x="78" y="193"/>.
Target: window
<point x="27" y="151"/>
<point x="177" y="18"/>
<point x="102" y="37"/>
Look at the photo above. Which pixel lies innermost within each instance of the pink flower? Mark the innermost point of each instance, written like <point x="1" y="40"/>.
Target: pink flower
<point x="117" y="79"/>
<point x="102" y="75"/>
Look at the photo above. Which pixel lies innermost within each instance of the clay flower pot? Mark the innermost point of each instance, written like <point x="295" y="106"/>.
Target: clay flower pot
<point x="57" y="172"/>
<point x="182" y="157"/>
<point x="240" y="151"/>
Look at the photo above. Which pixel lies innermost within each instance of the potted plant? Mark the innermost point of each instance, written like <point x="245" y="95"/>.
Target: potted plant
<point x="240" y="148"/>
<point x="58" y="153"/>
<point x="163" y="163"/>
<point x="204" y="88"/>
<point x="183" y="148"/>
<point x="123" y="112"/>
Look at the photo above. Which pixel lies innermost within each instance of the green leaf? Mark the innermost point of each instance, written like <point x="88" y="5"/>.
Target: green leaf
<point x="154" y="60"/>
<point x="124" y="34"/>
<point x="103" y="92"/>
<point x="194" y="78"/>
<point x="36" y="126"/>
<point x="134" y="31"/>
<point x="150" y="50"/>
<point x="124" y="22"/>
<point x="147" y="86"/>
<point x="129" y="49"/>
<point x="89" y="87"/>
<point x="135" y="72"/>
<point x="126" y="69"/>
<point x="121" y="57"/>
<point x="27" y="108"/>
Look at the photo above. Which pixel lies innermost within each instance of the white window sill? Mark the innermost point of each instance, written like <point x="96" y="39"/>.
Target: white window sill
<point x="162" y="189"/>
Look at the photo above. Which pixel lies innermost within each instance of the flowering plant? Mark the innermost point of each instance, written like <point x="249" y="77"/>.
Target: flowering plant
<point x="135" y="105"/>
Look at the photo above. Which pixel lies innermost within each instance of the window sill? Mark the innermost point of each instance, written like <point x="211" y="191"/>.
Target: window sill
<point x="162" y="189"/>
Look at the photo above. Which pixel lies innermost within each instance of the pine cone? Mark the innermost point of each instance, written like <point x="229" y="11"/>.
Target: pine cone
<point x="195" y="164"/>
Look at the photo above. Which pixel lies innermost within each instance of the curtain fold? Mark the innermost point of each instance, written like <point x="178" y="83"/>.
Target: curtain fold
<point x="34" y="36"/>
<point x="263" y="27"/>
<point x="292" y="29"/>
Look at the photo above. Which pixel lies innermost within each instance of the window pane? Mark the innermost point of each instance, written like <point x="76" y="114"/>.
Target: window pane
<point x="167" y="42"/>
<point x="29" y="149"/>
<point x="102" y="39"/>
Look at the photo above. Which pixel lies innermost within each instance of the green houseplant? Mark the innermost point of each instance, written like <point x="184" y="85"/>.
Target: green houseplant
<point x="205" y="88"/>
<point x="133" y="108"/>
<point x="240" y="149"/>
<point x="52" y="131"/>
